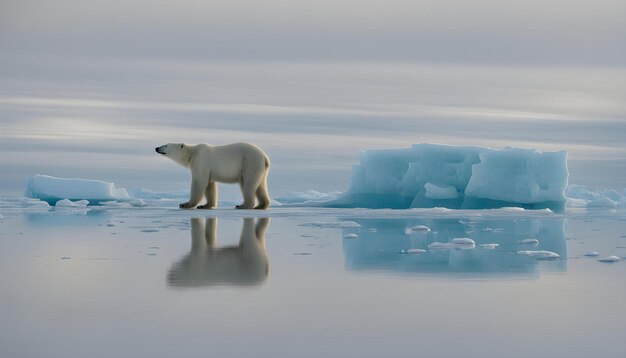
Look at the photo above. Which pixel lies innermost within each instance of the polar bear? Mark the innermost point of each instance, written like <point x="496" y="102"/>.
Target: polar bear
<point x="242" y="163"/>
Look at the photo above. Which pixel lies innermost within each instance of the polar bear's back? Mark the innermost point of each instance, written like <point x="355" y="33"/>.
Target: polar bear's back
<point x="226" y="163"/>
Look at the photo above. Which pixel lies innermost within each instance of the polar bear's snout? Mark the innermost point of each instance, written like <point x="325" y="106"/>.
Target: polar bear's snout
<point x="158" y="150"/>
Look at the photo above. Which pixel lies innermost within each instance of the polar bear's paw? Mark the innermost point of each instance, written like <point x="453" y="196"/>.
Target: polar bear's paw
<point x="243" y="206"/>
<point x="205" y="206"/>
<point x="186" y="206"/>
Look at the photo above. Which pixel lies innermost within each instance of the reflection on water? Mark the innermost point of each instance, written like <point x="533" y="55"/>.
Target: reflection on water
<point x="208" y="265"/>
<point x="383" y="245"/>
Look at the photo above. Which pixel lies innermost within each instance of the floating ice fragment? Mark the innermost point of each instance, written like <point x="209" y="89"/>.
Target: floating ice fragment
<point x="462" y="243"/>
<point x="592" y="253"/>
<point x="350" y="236"/>
<point x="149" y="230"/>
<point x="611" y="258"/>
<point x="602" y="203"/>
<point x="66" y="203"/>
<point x="441" y="246"/>
<point x="415" y="251"/>
<point x="423" y="228"/>
<point x="533" y="242"/>
<point x="489" y="246"/>
<point x="541" y="254"/>
<point x="52" y="189"/>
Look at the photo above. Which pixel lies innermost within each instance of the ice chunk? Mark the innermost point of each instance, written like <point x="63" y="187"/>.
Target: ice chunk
<point x="611" y="258"/>
<point x="462" y="243"/>
<point x="533" y="242"/>
<point x="602" y="203"/>
<point x="430" y="175"/>
<point x="440" y="192"/>
<point x="581" y="197"/>
<point x="350" y="236"/>
<point x="592" y="253"/>
<point x="422" y="228"/>
<point x="489" y="246"/>
<point x="66" y="203"/>
<point x="51" y="189"/>
<point x="540" y="254"/>
<point x="415" y="251"/>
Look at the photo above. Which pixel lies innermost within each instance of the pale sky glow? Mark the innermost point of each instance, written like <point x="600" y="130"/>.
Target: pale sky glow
<point x="88" y="89"/>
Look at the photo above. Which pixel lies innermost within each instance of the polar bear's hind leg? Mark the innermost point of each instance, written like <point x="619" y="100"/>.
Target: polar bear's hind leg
<point x="262" y="194"/>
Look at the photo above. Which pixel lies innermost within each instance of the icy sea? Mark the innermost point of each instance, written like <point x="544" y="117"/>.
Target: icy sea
<point x="123" y="281"/>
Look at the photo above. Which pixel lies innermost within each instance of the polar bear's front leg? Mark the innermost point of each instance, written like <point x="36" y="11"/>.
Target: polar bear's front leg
<point x="195" y="195"/>
<point x="211" y="196"/>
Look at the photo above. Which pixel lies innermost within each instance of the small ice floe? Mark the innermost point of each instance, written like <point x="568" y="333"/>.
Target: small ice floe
<point x="420" y="228"/>
<point x="461" y="243"/>
<point x="533" y="242"/>
<point x="149" y="230"/>
<point x="1" y="217"/>
<point x="415" y="251"/>
<point x="110" y="224"/>
<point x="441" y="246"/>
<point x="489" y="246"/>
<point x="611" y="258"/>
<point x="592" y="253"/>
<point x="340" y="224"/>
<point x="540" y="254"/>
<point x="373" y="229"/>
<point x="350" y="236"/>
<point x="602" y="203"/>
<point x="66" y="203"/>
<point x="138" y="203"/>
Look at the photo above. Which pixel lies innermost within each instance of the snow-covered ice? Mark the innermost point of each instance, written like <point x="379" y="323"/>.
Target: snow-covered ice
<point x="431" y="175"/>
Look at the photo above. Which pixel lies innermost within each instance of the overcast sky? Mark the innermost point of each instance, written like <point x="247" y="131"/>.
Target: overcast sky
<point x="88" y="88"/>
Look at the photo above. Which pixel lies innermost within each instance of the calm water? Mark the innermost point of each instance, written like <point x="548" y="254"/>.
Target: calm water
<point x="166" y="283"/>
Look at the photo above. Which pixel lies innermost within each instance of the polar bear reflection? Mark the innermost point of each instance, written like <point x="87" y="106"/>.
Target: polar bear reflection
<point x="206" y="265"/>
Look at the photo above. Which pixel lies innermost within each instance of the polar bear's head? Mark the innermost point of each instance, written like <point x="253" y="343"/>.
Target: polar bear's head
<point x="178" y="152"/>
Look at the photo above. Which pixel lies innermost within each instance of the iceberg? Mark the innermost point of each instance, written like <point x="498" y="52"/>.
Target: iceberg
<point x="52" y="190"/>
<point x="457" y="177"/>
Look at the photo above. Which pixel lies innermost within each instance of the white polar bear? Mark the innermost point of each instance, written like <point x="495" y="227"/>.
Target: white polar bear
<point x="241" y="163"/>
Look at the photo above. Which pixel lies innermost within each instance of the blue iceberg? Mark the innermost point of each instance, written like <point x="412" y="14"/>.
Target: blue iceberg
<point x="457" y="177"/>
